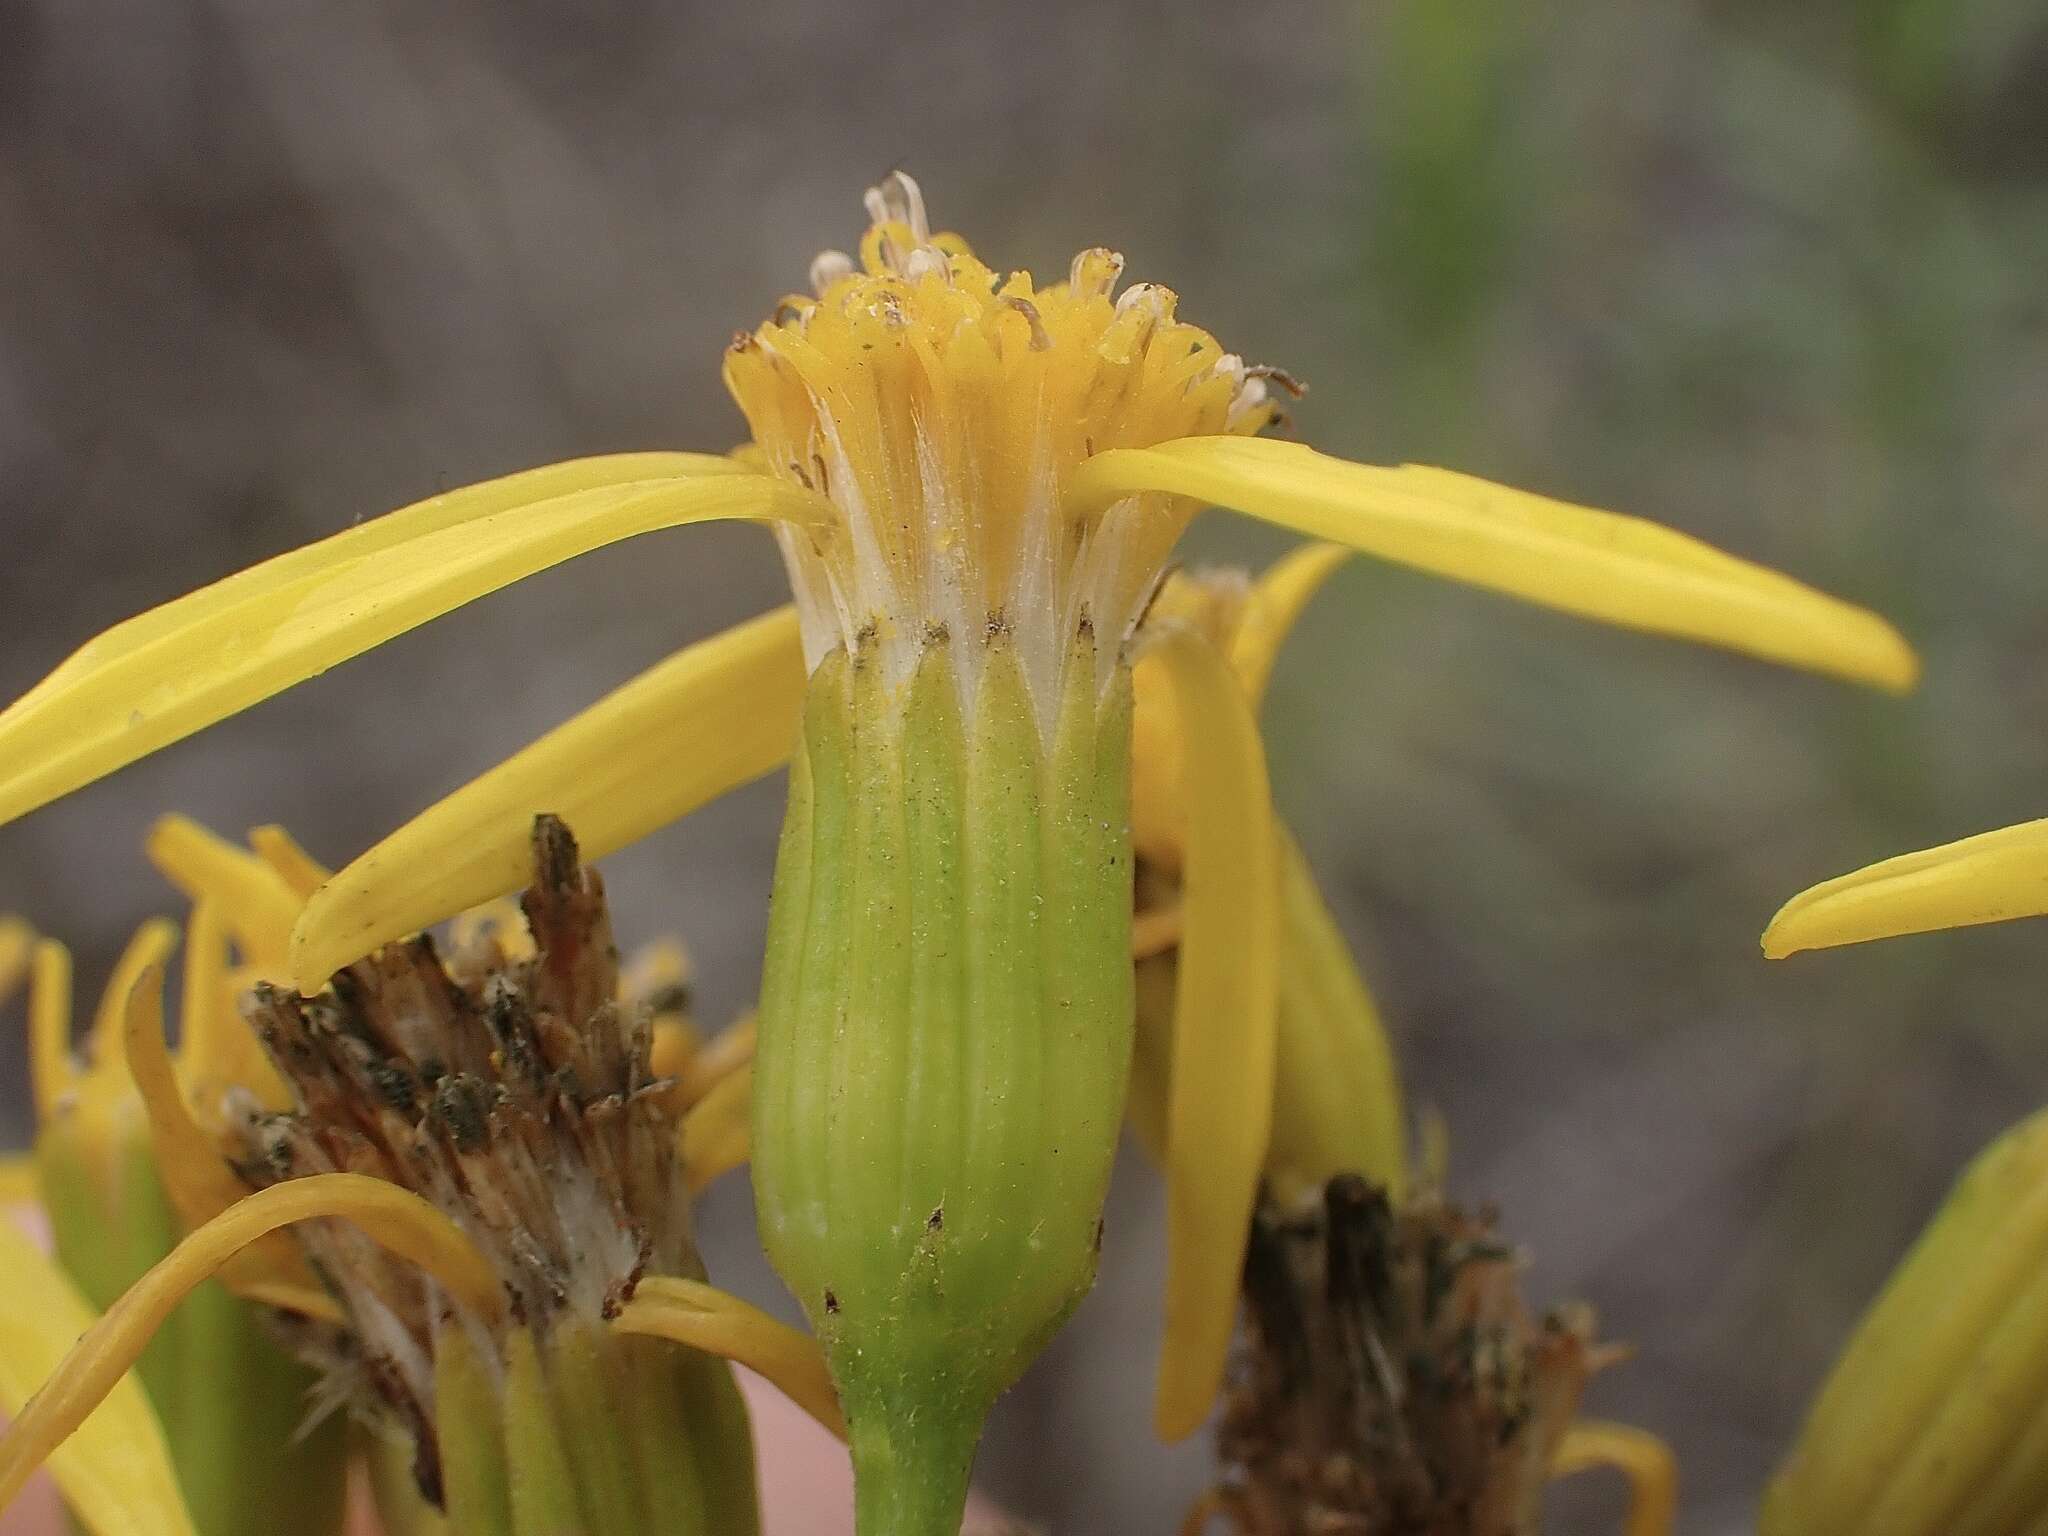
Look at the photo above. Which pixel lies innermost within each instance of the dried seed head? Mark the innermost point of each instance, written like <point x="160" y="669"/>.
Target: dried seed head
<point x="1392" y="1381"/>
<point x="508" y="1087"/>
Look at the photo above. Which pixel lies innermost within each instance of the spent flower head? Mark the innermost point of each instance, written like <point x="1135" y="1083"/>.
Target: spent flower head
<point x="512" y="1178"/>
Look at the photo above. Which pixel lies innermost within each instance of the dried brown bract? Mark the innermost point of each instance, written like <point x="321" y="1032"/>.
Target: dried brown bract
<point x="1392" y="1381"/>
<point x="510" y="1090"/>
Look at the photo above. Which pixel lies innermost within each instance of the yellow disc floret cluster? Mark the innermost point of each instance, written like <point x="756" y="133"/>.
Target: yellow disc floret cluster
<point x="941" y="406"/>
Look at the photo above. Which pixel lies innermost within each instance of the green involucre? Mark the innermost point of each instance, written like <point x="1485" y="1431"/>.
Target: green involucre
<point x="945" y="1038"/>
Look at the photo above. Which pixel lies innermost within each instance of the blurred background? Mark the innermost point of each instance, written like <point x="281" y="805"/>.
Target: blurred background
<point x="1771" y="274"/>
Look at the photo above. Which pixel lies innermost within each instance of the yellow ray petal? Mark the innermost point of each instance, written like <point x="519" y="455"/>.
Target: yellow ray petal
<point x="115" y="1469"/>
<point x="253" y="900"/>
<point x="1155" y="932"/>
<point x="50" y="1066"/>
<point x="195" y="1175"/>
<point x="1600" y="565"/>
<point x="1337" y="1102"/>
<point x="394" y="1217"/>
<point x="146" y="951"/>
<point x="715" y="1060"/>
<point x="17" y="952"/>
<point x="1224" y="1027"/>
<point x="708" y="719"/>
<point x="704" y="1317"/>
<point x="281" y="851"/>
<point x="1274" y="607"/>
<point x="221" y="649"/>
<point x="1989" y="878"/>
<point x="1646" y="1461"/>
<point x="717" y="1133"/>
<point x="18" y="1182"/>
<point x="217" y="1049"/>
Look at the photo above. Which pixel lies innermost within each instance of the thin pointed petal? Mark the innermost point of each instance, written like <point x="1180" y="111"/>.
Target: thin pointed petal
<point x="281" y="851"/>
<point x="1645" y="1460"/>
<point x="254" y="902"/>
<point x="1600" y="565"/>
<point x="1224" y="1027"/>
<point x="51" y="1068"/>
<point x="17" y="955"/>
<point x="195" y="1175"/>
<point x="1278" y="598"/>
<point x="217" y="1049"/>
<point x="115" y="1470"/>
<point x="715" y="1060"/>
<point x="396" y="1218"/>
<point x="1989" y="878"/>
<point x="217" y="651"/>
<point x="18" y="1182"/>
<point x="147" y="951"/>
<point x="703" y="1317"/>
<point x="717" y="1132"/>
<point x="710" y="718"/>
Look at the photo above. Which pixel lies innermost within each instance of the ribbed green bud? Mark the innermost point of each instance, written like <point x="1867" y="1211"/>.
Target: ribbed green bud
<point x="231" y="1402"/>
<point x="1935" y="1420"/>
<point x="945" y="1034"/>
<point x="586" y="1432"/>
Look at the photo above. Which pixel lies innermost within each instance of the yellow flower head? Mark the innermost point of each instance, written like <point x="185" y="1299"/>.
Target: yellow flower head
<point x="943" y="408"/>
<point x="1993" y="877"/>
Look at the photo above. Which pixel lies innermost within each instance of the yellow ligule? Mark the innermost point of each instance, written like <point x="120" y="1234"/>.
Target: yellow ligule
<point x="182" y="667"/>
<point x="397" y="1218"/>
<point x="710" y="718"/>
<point x="1224" y="1031"/>
<point x="1989" y="878"/>
<point x="51" y="1068"/>
<point x="281" y="851"/>
<point x="114" y="1468"/>
<point x="1272" y="609"/>
<point x="1599" y="565"/>
<point x="254" y="902"/>
<point x="703" y="1317"/>
<point x="1642" y="1458"/>
<point x="716" y="1133"/>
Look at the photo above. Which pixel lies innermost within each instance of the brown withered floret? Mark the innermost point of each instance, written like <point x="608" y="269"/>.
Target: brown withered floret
<point x="509" y="1089"/>
<point x="1392" y="1382"/>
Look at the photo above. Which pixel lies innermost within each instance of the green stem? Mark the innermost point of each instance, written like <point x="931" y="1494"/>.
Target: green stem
<point x="910" y="1472"/>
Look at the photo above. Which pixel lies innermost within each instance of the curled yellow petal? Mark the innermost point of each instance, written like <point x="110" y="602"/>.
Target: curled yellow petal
<point x="281" y="851"/>
<point x="1600" y="565"/>
<point x="1642" y="1458"/>
<point x="1220" y="1099"/>
<point x="706" y="1318"/>
<point x="1989" y="878"/>
<point x="114" y="1468"/>
<point x="253" y="900"/>
<point x="195" y="1174"/>
<point x="146" y="951"/>
<point x="51" y="1069"/>
<point x="710" y="718"/>
<point x="714" y="1061"/>
<point x="180" y="668"/>
<point x="1275" y="605"/>
<point x="717" y="1132"/>
<point x="1155" y="932"/>
<point x="1159" y="813"/>
<point x="394" y="1217"/>
<point x="17" y="952"/>
<point x="18" y="1182"/>
<point x="1337" y="1102"/>
<point x="218" y="1050"/>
